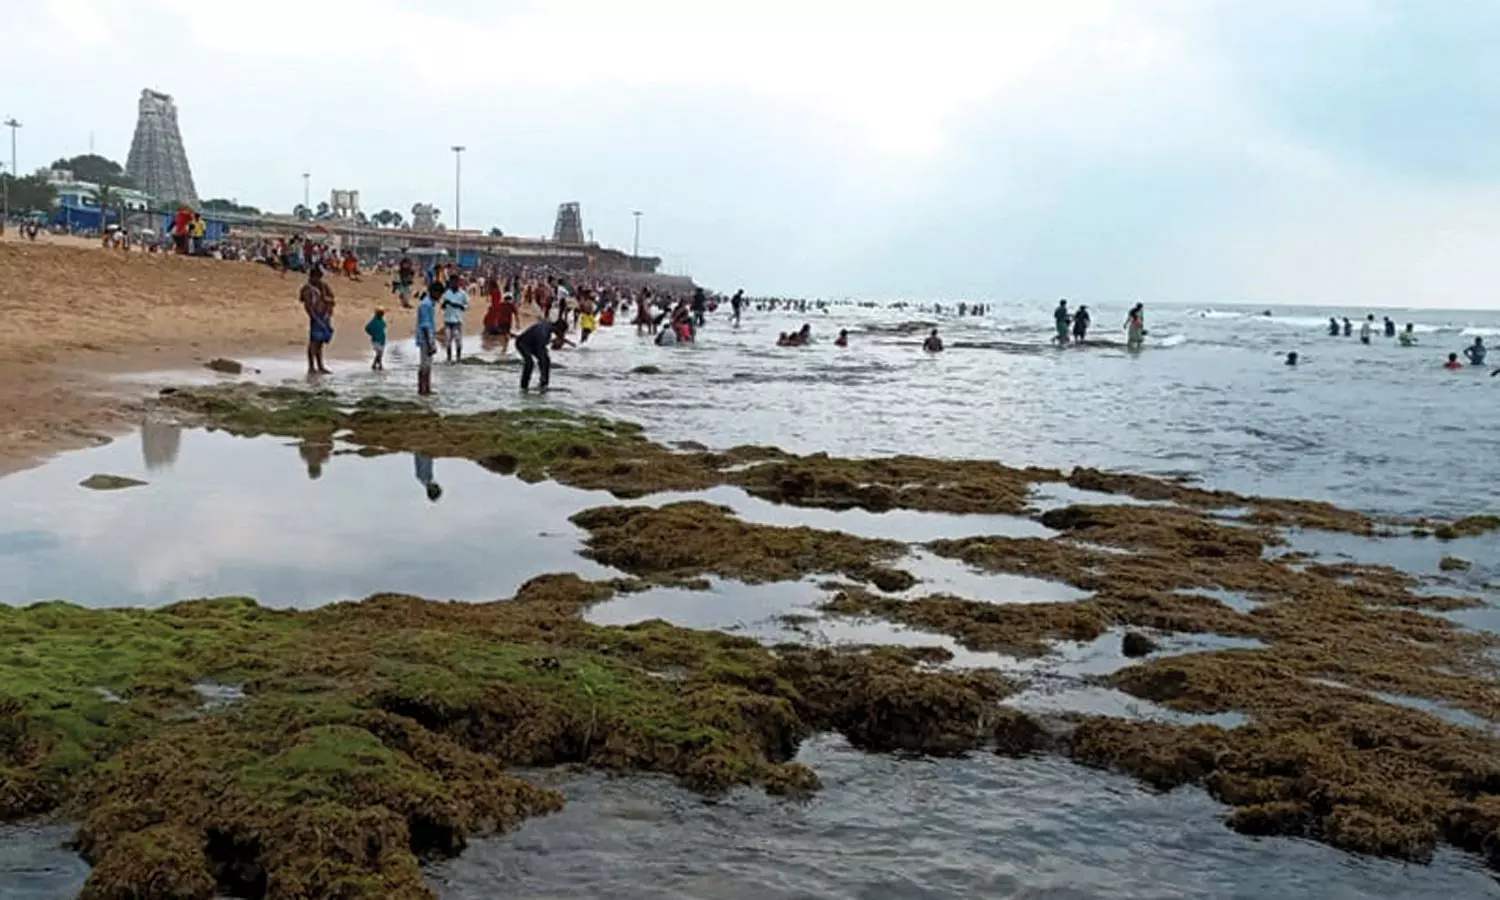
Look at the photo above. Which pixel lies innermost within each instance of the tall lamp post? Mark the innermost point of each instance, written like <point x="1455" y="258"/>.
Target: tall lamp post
<point x="635" y="249"/>
<point x="307" y="192"/>
<point x="12" y="124"/>
<point x="458" y="182"/>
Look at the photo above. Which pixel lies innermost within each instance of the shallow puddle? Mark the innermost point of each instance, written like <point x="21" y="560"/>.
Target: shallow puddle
<point x="1447" y="712"/>
<point x="287" y="524"/>
<point x="1058" y="494"/>
<point x="941" y="575"/>
<point x="1065" y="696"/>
<point x="36" y="864"/>
<point x="906" y="525"/>
<point x="930" y="829"/>
<point x="1239" y="601"/>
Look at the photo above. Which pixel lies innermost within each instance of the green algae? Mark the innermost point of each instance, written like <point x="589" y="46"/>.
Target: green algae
<point x="373" y="734"/>
<point x="682" y="540"/>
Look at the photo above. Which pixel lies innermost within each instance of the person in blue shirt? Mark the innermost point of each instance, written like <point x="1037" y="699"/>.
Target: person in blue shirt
<point x="1477" y="352"/>
<point x="426" y="342"/>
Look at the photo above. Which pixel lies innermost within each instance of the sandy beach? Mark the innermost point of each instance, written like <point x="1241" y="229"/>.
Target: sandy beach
<point x="76" y="314"/>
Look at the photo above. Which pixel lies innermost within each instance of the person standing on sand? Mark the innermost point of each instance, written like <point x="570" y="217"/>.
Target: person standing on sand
<point x="317" y="300"/>
<point x="406" y="275"/>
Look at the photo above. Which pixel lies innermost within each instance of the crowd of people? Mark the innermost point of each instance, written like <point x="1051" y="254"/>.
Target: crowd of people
<point x="1475" y="353"/>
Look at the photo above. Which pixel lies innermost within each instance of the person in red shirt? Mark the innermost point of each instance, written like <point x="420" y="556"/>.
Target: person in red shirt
<point x="501" y="315"/>
<point x="1453" y="362"/>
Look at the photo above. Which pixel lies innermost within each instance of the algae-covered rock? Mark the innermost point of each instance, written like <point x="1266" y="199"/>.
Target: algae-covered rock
<point x="683" y="540"/>
<point x="1454" y="564"/>
<point x="1469" y="526"/>
<point x="1136" y="644"/>
<point x="646" y="370"/>
<point x="1016" y="733"/>
<point x="110" y="483"/>
<point x="162" y="862"/>
<point x="225" y="366"/>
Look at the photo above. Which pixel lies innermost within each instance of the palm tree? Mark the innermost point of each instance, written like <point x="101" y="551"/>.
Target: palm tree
<point x="302" y="212"/>
<point x="104" y="197"/>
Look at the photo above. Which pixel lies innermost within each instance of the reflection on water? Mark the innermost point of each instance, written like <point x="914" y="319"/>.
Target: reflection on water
<point x="289" y="524"/>
<point x="1219" y="405"/>
<point x="884" y="827"/>
<point x="160" y="444"/>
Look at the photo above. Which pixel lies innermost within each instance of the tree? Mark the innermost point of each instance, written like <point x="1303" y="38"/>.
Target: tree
<point x="397" y="220"/>
<point x="96" y="169"/>
<point x="360" y="218"/>
<point x="324" y="213"/>
<point x="219" y="204"/>
<point x="302" y="212"/>
<point x="105" y="197"/>
<point x="496" y="232"/>
<point x="31" y="193"/>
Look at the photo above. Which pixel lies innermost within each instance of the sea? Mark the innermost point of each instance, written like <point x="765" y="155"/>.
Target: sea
<point x="1378" y="427"/>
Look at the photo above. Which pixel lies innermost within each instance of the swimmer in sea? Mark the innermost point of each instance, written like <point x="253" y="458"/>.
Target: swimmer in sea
<point x="1453" y="362"/>
<point x="1348" y="328"/>
<point x="843" y="339"/>
<point x="1408" y="337"/>
<point x="1291" y="358"/>
<point x="1390" y="327"/>
<point x="784" y="340"/>
<point x="1476" y="352"/>
<point x="933" y="344"/>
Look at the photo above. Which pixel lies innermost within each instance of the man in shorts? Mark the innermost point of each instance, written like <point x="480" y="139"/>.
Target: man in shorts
<point x="406" y="275"/>
<point x="317" y="301"/>
<point x="426" y="342"/>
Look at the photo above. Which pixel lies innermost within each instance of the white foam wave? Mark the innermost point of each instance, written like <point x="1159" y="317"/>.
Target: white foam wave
<point x="1478" y="331"/>
<point x="1171" y="340"/>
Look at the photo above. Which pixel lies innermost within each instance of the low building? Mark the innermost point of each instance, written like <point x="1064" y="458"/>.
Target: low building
<point x="78" y="201"/>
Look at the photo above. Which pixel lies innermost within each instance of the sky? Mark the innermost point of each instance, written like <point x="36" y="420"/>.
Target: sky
<point x="1188" y="151"/>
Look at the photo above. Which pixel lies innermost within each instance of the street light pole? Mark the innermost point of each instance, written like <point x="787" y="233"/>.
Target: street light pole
<point x="12" y="124"/>
<point x="307" y="191"/>
<point x="635" y="250"/>
<point x="458" y="181"/>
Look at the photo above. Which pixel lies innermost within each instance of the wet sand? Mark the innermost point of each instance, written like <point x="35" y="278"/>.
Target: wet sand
<point x="76" y="314"/>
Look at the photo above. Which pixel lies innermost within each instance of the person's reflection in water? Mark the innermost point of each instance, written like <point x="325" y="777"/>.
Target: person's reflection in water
<point x="160" y="443"/>
<point x="315" y="454"/>
<point x="424" y="475"/>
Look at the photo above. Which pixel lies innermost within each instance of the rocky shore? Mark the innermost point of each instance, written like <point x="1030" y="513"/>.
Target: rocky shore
<point x="218" y="746"/>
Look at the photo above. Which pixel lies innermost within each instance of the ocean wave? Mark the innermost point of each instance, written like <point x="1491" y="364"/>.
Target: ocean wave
<point x="1171" y="340"/>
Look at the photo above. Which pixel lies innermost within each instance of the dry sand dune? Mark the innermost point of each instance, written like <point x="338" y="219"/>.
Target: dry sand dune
<point x="74" y="313"/>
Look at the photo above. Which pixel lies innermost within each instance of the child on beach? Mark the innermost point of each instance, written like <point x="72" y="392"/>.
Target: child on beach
<point x="375" y="328"/>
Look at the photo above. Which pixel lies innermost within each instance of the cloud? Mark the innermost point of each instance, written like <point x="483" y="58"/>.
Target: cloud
<point x="1165" y="148"/>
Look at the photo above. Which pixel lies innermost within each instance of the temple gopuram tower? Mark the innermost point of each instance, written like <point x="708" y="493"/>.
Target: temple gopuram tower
<point x="157" y="160"/>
